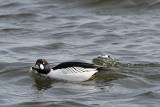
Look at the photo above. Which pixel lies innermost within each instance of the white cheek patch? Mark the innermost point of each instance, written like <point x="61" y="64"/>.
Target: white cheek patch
<point x="41" y="66"/>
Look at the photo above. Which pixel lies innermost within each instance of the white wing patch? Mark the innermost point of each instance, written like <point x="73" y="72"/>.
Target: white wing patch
<point x="78" y="70"/>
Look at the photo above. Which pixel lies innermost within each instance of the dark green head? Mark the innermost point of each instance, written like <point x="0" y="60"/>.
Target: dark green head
<point x="42" y="66"/>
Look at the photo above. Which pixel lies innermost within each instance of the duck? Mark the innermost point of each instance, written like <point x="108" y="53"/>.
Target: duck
<point x="69" y="71"/>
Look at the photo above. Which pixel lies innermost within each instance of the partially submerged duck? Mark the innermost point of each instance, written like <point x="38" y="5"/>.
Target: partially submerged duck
<point x="70" y="71"/>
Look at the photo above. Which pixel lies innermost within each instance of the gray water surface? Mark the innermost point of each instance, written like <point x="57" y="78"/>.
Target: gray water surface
<point x="67" y="30"/>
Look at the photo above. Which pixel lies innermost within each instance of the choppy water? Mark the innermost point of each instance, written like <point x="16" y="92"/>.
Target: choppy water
<point x="65" y="30"/>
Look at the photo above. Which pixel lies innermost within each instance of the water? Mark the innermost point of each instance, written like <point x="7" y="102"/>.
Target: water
<point x="65" y="30"/>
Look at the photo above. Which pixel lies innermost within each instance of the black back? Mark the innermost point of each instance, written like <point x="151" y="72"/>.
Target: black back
<point x="74" y="64"/>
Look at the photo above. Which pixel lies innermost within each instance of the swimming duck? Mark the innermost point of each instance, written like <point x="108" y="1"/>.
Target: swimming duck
<point x="70" y="71"/>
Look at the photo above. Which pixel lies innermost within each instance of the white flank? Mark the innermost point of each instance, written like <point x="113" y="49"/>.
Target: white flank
<point x="73" y="73"/>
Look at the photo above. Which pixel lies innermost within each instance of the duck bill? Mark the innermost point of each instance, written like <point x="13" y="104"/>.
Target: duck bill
<point x="36" y="67"/>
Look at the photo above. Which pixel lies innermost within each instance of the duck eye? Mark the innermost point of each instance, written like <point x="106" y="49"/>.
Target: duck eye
<point x="43" y="63"/>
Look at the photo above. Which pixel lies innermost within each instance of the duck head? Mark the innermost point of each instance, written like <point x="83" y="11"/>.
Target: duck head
<point x="42" y="66"/>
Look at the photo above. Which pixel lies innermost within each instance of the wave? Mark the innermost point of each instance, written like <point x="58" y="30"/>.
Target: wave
<point x="112" y="7"/>
<point x="109" y="62"/>
<point x="123" y="3"/>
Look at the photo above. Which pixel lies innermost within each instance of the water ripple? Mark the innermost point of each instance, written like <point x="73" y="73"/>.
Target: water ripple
<point x="69" y="30"/>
